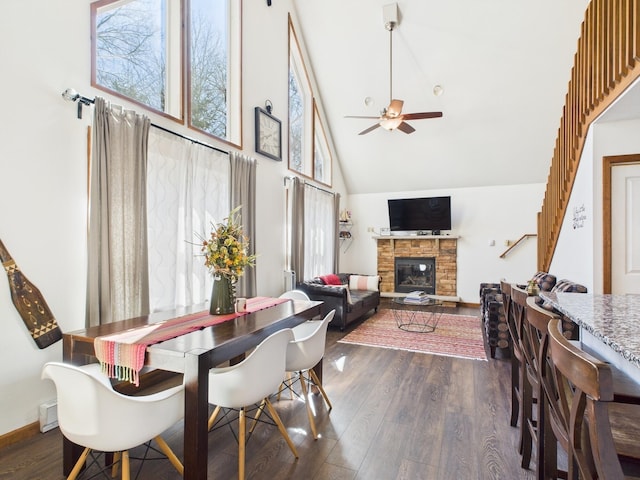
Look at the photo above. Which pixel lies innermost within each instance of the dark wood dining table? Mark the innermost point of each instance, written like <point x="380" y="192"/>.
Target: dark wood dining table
<point x="191" y="354"/>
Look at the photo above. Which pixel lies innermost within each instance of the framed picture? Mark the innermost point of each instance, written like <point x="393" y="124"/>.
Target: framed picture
<point x="268" y="135"/>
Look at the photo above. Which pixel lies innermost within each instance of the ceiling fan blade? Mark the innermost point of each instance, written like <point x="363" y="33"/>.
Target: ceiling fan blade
<point x="406" y="128"/>
<point x="357" y="116"/>
<point x="418" y="116"/>
<point x="371" y="128"/>
<point x="395" y="108"/>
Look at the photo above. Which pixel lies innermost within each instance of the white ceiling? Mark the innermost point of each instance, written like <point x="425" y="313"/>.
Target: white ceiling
<point x="504" y="66"/>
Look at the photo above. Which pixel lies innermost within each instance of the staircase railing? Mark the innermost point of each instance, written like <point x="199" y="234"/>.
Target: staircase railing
<point x="607" y="61"/>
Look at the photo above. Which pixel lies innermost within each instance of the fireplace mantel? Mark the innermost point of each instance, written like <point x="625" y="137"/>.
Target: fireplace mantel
<point x="412" y="237"/>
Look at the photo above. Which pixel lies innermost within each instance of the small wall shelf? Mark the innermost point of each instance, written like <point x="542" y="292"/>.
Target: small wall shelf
<point x="345" y="235"/>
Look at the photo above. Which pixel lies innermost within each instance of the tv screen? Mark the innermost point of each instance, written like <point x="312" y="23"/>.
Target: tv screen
<point x="410" y="214"/>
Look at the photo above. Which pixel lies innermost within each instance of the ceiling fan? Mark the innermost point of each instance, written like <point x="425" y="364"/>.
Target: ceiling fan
<point x="392" y="117"/>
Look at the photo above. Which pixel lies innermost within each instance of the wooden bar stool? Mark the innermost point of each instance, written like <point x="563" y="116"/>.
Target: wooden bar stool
<point x="526" y="383"/>
<point x="600" y="443"/>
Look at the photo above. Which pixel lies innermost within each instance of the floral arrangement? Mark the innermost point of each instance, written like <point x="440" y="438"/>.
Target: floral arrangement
<point x="225" y="251"/>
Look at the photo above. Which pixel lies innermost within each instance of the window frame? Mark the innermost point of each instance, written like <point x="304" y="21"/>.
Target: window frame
<point x="314" y="135"/>
<point x="182" y="114"/>
<point x="321" y="143"/>
<point x="297" y="65"/>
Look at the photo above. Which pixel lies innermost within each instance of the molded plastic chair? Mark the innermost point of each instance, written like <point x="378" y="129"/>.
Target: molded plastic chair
<point x="304" y="353"/>
<point x="93" y="415"/>
<point x="295" y="295"/>
<point x="251" y="381"/>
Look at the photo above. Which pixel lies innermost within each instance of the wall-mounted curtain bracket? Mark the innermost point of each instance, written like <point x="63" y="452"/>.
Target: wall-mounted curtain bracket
<point x="71" y="95"/>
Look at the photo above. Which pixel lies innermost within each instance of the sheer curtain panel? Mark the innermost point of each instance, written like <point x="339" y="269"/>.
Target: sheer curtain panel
<point x="320" y="232"/>
<point x="188" y="190"/>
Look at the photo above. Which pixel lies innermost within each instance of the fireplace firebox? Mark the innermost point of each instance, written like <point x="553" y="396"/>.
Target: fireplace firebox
<point x="415" y="274"/>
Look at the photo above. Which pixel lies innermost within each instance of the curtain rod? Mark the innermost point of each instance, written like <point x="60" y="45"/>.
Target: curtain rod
<point x="193" y="140"/>
<point x="71" y="95"/>
<point x="310" y="184"/>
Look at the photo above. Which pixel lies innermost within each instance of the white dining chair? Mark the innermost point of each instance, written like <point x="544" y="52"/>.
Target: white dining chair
<point x="295" y="295"/>
<point x="93" y="415"/>
<point x="303" y="353"/>
<point x="250" y="382"/>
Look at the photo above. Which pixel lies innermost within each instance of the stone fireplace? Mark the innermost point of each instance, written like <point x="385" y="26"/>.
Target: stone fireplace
<point x="442" y="249"/>
<point x="413" y="274"/>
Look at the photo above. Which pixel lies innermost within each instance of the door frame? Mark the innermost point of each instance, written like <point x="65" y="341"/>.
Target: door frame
<point x="608" y="163"/>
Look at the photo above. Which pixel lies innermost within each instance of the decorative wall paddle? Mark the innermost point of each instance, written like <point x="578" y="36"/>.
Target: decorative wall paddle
<point x="30" y="304"/>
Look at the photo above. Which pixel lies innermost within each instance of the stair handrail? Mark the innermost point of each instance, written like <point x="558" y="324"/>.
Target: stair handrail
<point x="517" y="242"/>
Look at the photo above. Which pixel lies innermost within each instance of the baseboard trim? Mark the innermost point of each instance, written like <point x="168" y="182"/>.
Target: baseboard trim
<point x="20" y="434"/>
<point x="470" y="305"/>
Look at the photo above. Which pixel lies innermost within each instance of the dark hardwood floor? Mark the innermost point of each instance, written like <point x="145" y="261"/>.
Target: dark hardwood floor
<point x="396" y="415"/>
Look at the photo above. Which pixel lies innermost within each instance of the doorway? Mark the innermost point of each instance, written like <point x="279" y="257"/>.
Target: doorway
<point x="621" y="224"/>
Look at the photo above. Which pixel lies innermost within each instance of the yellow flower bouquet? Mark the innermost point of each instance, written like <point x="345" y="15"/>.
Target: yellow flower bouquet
<point x="226" y="254"/>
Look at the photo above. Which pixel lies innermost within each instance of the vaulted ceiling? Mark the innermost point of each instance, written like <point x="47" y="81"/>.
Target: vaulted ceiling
<point x="503" y="66"/>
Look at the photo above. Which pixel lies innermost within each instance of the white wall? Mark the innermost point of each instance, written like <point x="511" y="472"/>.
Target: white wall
<point x="578" y="256"/>
<point x="478" y="216"/>
<point x="574" y="255"/>
<point x="43" y="162"/>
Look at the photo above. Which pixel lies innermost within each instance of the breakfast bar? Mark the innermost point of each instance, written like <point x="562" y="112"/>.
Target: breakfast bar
<point x="608" y="325"/>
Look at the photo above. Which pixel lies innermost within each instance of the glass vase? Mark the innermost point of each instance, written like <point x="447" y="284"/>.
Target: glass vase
<point x="223" y="295"/>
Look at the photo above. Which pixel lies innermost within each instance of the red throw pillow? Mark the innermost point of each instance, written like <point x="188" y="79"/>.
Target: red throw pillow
<point x="331" y="279"/>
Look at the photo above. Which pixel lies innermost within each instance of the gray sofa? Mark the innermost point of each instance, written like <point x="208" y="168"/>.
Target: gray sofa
<point x="337" y="297"/>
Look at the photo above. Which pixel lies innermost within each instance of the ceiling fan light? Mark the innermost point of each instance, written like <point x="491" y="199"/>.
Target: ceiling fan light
<point x="390" y="123"/>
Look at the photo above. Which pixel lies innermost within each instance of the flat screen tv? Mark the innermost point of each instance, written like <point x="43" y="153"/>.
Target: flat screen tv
<point x="420" y="214"/>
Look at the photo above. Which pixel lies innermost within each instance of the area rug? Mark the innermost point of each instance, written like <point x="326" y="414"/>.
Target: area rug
<point x="456" y="336"/>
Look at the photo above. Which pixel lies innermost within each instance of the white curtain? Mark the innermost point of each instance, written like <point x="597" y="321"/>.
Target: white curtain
<point x="320" y="232"/>
<point x="188" y="190"/>
<point x="117" y="282"/>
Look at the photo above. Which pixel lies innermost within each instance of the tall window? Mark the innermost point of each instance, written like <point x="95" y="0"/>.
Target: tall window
<point x="137" y="54"/>
<point x="309" y="152"/>
<point x="321" y="152"/>
<point x="300" y="110"/>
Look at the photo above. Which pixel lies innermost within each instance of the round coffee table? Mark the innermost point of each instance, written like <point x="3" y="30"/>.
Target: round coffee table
<point x="416" y="317"/>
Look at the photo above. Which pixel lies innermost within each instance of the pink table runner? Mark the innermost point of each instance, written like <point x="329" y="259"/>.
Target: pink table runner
<point x="121" y="354"/>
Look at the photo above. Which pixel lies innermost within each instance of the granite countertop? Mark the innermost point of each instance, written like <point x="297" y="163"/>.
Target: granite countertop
<point x="613" y="319"/>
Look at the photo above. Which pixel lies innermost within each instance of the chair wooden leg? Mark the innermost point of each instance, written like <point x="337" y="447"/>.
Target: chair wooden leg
<point x="316" y="380"/>
<point x="283" y="431"/>
<point x="515" y="402"/>
<point x="115" y="465"/>
<point x="307" y="403"/>
<point x="282" y="386"/>
<point x="241" y="443"/>
<point x="256" y="417"/>
<point x="170" y="455"/>
<point x="79" y="464"/>
<point x="126" y="475"/>
<point x="212" y="418"/>
<point x="526" y="410"/>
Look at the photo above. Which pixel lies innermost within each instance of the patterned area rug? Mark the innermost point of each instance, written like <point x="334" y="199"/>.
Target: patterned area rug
<point x="455" y="336"/>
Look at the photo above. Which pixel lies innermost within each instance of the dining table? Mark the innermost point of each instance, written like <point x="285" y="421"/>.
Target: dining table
<point x="608" y="325"/>
<point x="191" y="354"/>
